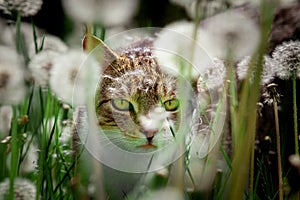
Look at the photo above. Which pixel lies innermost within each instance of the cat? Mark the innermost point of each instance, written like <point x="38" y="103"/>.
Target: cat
<point x="139" y="109"/>
<point x="137" y="104"/>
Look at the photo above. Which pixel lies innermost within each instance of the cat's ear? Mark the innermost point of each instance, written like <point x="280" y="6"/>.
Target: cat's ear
<point x="94" y="45"/>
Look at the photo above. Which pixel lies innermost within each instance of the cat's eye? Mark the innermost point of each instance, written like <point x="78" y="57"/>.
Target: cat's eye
<point x="171" y="105"/>
<point x="122" y="105"/>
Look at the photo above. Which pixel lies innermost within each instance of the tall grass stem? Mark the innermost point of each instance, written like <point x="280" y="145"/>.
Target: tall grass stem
<point x="295" y="113"/>
<point x="280" y="183"/>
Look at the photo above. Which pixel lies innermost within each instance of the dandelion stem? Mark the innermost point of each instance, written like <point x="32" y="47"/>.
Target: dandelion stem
<point x="278" y="149"/>
<point x="233" y="103"/>
<point x="295" y="114"/>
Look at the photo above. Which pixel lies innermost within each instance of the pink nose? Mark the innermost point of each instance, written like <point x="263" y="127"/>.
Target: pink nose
<point x="150" y="135"/>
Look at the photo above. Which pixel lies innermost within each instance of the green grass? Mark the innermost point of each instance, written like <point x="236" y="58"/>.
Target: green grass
<point x="61" y="175"/>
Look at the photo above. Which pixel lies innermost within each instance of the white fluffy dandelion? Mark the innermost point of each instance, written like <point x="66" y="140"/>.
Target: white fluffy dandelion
<point x="12" y="86"/>
<point x="23" y="189"/>
<point x="73" y="76"/>
<point x="6" y="114"/>
<point x="105" y="12"/>
<point x="24" y="7"/>
<point x="230" y="34"/>
<point x="48" y="42"/>
<point x="178" y="52"/>
<point x="295" y="161"/>
<point x="40" y="66"/>
<point x="268" y="73"/>
<point x="287" y="59"/>
<point x="214" y="76"/>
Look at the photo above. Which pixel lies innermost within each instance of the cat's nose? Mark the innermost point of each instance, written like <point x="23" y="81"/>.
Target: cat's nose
<point x="150" y="135"/>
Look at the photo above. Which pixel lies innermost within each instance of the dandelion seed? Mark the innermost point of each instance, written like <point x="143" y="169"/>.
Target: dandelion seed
<point x="12" y="87"/>
<point x="229" y="35"/>
<point x="106" y="12"/>
<point x="214" y="76"/>
<point x="40" y="66"/>
<point x="25" y="7"/>
<point x="73" y="75"/>
<point x="287" y="59"/>
<point x="50" y="43"/>
<point x="6" y="114"/>
<point x="268" y="73"/>
<point x="23" y="189"/>
<point x="181" y="56"/>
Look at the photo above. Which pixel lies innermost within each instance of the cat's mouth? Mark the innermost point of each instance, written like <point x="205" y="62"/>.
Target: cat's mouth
<point x="148" y="146"/>
<point x="147" y="135"/>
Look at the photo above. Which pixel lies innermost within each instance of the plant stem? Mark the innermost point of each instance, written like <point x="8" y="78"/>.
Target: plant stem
<point x="295" y="114"/>
<point x="278" y="150"/>
<point x="18" y="31"/>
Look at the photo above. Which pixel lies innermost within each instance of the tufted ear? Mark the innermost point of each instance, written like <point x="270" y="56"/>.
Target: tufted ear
<point x="95" y="46"/>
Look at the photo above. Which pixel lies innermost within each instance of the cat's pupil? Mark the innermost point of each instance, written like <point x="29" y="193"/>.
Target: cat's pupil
<point x="171" y="105"/>
<point x="122" y="105"/>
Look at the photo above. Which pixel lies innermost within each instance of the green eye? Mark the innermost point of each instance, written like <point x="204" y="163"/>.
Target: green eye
<point x="122" y="105"/>
<point x="171" y="105"/>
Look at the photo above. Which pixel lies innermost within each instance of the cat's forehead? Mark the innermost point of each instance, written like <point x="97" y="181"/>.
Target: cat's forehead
<point x="137" y="73"/>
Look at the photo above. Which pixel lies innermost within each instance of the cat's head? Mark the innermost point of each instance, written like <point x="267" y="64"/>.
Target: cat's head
<point x="136" y="98"/>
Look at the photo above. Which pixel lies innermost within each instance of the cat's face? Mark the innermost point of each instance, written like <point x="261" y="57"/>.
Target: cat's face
<point x="136" y="98"/>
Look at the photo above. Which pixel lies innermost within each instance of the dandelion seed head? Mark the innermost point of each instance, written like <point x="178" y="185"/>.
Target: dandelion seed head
<point x="177" y="57"/>
<point x="214" y="76"/>
<point x="268" y="73"/>
<point x="230" y="34"/>
<point x="12" y="87"/>
<point x="72" y="75"/>
<point x="295" y="161"/>
<point x="287" y="59"/>
<point x="25" y="7"/>
<point x="6" y="114"/>
<point x="23" y="189"/>
<point x="40" y="66"/>
<point x="107" y="12"/>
